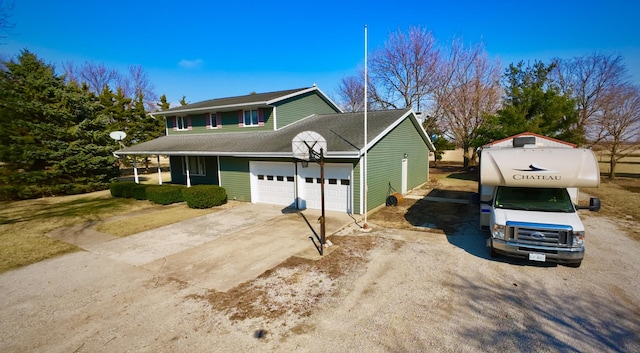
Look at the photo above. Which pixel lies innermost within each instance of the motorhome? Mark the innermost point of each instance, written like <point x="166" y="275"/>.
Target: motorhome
<point x="529" y="200"/>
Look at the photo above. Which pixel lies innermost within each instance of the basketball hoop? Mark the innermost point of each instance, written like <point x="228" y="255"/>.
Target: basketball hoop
<point x="310" y="146"/>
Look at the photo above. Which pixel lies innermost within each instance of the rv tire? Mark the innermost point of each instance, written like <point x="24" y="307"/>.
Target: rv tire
<point x="574" y="264"/>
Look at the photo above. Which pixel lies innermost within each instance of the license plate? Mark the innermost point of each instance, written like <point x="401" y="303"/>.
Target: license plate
<point x="538" y="257"/>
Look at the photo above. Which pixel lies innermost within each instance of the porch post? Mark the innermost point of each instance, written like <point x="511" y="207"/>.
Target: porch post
<point x="186" y="160"/>
<point x="159" y="172"/>
<point x="135" y="171"/>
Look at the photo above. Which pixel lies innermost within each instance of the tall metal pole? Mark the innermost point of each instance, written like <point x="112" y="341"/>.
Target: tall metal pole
<point x="366" y="188"/>
<point x="322" y="224"/>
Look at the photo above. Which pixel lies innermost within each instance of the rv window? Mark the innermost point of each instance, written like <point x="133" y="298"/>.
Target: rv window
<point x="534" y="199"/>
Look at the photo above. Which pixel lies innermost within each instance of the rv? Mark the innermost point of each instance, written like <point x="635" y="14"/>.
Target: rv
<point x="529" y="201"/>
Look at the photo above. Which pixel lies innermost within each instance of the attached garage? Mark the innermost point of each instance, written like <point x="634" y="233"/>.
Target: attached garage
<point x="277" y="183"/>
<point x="273" y="183"/>
<point x="337" y="187"/>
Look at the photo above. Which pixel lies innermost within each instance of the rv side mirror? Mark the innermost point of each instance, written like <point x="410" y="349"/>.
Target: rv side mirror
<point x="594" y="205"/>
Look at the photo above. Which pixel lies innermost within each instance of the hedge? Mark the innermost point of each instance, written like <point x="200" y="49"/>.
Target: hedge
<point x="204" y="196"/>
<point x="122" y="188"/>
<point x="164" y="194"/>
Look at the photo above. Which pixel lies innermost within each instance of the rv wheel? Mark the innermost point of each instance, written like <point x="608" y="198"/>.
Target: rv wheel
<point x="492" y="251"/>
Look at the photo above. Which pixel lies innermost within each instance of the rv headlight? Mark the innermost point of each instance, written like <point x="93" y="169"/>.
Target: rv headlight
<point x="498" y="231"/>
<point x="578" y="238"/>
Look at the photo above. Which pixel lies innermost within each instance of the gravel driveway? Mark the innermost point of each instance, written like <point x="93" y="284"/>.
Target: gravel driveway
<point x="388" y="290"/>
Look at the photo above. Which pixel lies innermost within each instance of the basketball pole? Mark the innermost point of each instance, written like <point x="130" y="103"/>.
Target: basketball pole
<point x="366" y="191"/>
<point x="322" y="224"/>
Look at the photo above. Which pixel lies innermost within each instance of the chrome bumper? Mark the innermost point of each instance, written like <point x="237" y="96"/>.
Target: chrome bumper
<point x="553" y="254"/>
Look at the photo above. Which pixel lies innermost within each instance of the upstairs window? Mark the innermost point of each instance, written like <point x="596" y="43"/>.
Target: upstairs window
<point x="182" y="123"/>
<point x="250" y="118"/>
<point x="214" y="121"/>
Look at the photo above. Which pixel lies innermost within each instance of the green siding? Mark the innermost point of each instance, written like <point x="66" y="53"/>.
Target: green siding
<point x="235" y="178"/>
<point x="178" y="176"/>
<point x="356" y="188"/>
<point x="385" y="163"/>
<point x="229" y="123"/>
<point x="296" y="108"/>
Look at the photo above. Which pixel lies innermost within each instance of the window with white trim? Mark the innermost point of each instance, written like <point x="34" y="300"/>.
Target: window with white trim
<point x="250" y="118"/>
<point x="181" y="123"/>
<point x="213" y="121"/>
<point x="196" y="165"/>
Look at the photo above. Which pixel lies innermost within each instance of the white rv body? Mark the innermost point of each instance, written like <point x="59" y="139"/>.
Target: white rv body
<point x="529" y="198"/>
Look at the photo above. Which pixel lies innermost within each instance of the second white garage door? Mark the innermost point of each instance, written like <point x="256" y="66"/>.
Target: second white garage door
<point x="337" y="187"/>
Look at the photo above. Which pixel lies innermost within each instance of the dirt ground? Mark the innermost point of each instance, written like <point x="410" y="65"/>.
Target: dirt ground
<point x="420" y="280"/>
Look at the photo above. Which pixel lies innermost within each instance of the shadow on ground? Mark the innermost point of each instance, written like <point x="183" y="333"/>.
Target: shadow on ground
<point x="456" y="214"/>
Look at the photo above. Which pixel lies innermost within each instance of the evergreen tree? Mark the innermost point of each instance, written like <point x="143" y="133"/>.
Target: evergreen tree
<point x="533" y="103"/>
<point x="53" y="138"/>
<point x="164" y="104"/>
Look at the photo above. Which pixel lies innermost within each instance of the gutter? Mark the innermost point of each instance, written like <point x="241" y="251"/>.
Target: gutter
<point x="337" y="155"/>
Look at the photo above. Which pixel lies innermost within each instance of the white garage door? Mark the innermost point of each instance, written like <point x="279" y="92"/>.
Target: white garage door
<point x="273" y="183"/>
<point x="337" y="187"/>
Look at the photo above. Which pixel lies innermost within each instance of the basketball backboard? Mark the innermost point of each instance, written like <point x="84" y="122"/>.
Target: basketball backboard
<point x="307" y="145"/>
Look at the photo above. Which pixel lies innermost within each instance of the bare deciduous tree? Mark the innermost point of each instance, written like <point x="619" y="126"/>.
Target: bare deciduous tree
<point x="139" y="85"/>
<point x="589" y="79"/>
<point x="403" y="70"/>
<point x="351" y="91"/>
<point x="467" y="91"/>
<point x="97" y="76"/>
<point x="619" y="124"/>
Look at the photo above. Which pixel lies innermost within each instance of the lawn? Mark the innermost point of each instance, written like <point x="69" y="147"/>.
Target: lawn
<point x="24" y="224"/>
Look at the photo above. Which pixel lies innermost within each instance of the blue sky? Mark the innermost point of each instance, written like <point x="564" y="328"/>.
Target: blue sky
<point x="212" y="49"/>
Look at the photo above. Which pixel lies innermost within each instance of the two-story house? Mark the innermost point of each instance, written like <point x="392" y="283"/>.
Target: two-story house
<point x="244" y="144"/>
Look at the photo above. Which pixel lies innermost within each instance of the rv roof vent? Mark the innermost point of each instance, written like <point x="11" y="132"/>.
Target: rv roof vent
<point x="524" y="140"/>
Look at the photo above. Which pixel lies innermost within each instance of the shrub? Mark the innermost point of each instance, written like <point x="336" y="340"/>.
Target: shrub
<point x="140" y="192"/>
<point x="122" y="188"/>
<point x="204" y="196"/>
<point x="164" y="194"/>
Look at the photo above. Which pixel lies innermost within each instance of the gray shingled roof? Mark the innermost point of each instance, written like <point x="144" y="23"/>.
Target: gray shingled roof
<point x="247" y="100"/>
<point x="344" y="134"/>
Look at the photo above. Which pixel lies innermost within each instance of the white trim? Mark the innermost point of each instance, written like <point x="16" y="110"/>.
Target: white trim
<point x="185" y="123"/>
<point x="361" y="187"/>
<point x="337" y="155"/>
<point x="212" y="108"/>
<point x="404" y="175"/>
<point x="298" y="93"/>
<point x="275" y="119"/>
<point x="244" y="118"/>
<point x="386" y="131"/>
<point x="219" y="174"/>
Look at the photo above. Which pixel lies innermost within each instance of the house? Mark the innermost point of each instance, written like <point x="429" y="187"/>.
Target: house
<point x="244" y="144"/>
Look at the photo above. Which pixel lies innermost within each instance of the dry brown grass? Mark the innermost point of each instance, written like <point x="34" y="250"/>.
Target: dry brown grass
<point x="278" y="292"/>
<point x="24" y="224"/>
<point x="620" y="200"/>
<point x="152" y="218"/>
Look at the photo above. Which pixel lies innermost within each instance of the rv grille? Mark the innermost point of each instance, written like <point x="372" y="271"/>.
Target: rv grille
<point x="538" y="234"/>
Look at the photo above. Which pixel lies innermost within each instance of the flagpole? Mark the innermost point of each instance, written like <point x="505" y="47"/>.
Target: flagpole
<point x="366" y="189"/>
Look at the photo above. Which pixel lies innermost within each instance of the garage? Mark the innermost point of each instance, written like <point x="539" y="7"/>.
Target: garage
<point x="337" y="187"/>
<point x="276" y="183"/>
<point x="273" y="183"/>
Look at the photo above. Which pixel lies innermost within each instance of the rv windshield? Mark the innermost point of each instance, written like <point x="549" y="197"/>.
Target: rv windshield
<point x="534" y="199"/>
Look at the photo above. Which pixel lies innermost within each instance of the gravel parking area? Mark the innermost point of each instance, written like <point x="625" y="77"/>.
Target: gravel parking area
<point x="389" y="290"/>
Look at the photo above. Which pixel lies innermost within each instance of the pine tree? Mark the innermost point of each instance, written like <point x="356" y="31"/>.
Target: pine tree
<point x="53" y="138"/>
